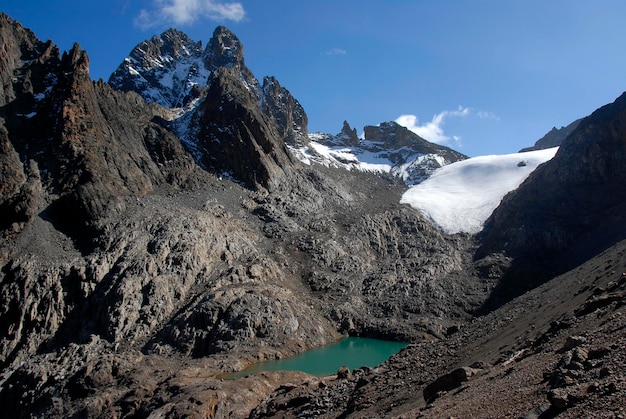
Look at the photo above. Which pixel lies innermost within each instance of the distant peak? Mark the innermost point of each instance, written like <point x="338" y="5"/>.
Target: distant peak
<point x="174" y="33"/>
<point x="349" y="134"/>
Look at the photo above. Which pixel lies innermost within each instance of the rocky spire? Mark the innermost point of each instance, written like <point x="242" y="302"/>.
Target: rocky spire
<point x="348" y="134"/>
<point x="223" y="50"/>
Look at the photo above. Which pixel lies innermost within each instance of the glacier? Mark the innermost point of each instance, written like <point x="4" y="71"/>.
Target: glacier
<point x="461" y="196"/>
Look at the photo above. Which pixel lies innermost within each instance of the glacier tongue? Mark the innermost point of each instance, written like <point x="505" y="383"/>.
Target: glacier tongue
<point x="461" y="196"/>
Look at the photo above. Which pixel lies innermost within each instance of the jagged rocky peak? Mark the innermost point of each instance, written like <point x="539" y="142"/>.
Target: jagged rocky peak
<point x="391" y="134"/>
<point x="21" y="61"/>
<point x="234" y="121"/>
<point x="394" y="136"/>
<point x="233" y="135"/>
<point x="289" y="115"/>
<point x="348" y="134"/>
<point x="61" y="133"/>
<point x="168" y="69"/>
<point x="224" y="50"/>
<point x="76" y="60"/>
<point x="162" y="50"/>
<point x="173" y="70"/>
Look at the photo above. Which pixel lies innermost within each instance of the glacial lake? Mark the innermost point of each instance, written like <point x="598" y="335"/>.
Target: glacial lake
<point x="352" y="352"/>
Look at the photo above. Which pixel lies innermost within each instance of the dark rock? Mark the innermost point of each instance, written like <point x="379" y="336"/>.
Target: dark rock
<point x="554" y="138"/>
<point x="289" y="116"/>
<point x="392" y="136"/>
<point x="348" y="135"/>
<point x="558" y="399"/>
<point x="448" y="382"/>
<point x="573" y="342"/>
<point x="593" y="155"/>
<point x="343" y="373"/>
<point x="537" y="412"/>
<point x="236" y="138"/>
<point x="596" y="302"/>
<point x="567" y="210"/>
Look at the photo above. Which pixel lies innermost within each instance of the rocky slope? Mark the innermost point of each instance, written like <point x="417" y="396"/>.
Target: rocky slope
<point x="556" y="351"/>
<point x="136" y="267"/>
<point x="569" y="209"/>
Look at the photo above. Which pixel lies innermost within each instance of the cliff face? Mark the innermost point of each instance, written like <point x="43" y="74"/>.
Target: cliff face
<point x="235" y="138"/>
<point x="74" y="134"/>
<point x="568" y="210"/>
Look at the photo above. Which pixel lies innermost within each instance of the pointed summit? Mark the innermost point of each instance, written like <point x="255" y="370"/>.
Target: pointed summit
<point x="164" y="49"/>
<point x="348" y="134"/>
<point x="173" y="70"/>
<point x="168" y="69"/>
<point x="224" y="50"/>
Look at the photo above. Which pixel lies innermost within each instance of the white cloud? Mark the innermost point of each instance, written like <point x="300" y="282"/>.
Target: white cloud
<point x="487" y="115"/>
<point x="182" y="12"/>
<point x="336" y="51"/>
<point x="433" y="130"/>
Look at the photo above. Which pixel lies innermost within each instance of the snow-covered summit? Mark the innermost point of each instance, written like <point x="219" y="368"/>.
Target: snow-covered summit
<point x="169" y="69"/>
<point x="461" y="196"/>
<point x="386" y="148"/>
<point x="173" y="70"/>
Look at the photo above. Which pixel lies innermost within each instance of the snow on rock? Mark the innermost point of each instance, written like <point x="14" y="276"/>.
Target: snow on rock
<point x="461" y="196"/>
<point x="412" y="161"/>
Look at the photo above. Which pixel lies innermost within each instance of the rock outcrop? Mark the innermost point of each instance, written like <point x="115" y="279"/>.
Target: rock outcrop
<point x="279" y="105"/>
<point x="234" y="138"/>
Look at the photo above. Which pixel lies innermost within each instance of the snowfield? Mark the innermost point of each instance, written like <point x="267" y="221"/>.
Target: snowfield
<point x="461" y="196"/>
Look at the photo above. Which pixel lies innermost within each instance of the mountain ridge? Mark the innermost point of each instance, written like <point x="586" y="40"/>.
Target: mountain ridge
<point x="146" y="250"/>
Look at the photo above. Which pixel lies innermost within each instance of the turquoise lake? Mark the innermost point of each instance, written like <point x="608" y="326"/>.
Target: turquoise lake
<point x="352" y="352"/>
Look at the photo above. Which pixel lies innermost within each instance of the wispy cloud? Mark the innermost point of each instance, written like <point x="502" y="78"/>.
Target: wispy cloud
<point x="185" y="12"/>
<point x="487" y="115"/>
<point x="433" y="129"/>
<point x="336" y="51"/>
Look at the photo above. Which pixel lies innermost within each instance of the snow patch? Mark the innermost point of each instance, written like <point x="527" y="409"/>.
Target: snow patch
<point x="461" y="196"/>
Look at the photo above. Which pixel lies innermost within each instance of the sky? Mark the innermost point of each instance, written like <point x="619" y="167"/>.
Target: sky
<point x="480" y="76"/>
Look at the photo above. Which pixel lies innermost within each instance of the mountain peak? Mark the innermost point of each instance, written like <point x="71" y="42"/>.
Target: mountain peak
<point x="224" y="50"/>
<point x="349" y="134"/>
<point x="172" y="69"/>
<point x="165" y="69"/>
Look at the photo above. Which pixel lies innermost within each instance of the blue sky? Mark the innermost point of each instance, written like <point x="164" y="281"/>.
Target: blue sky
<point x="481" y="76"/>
